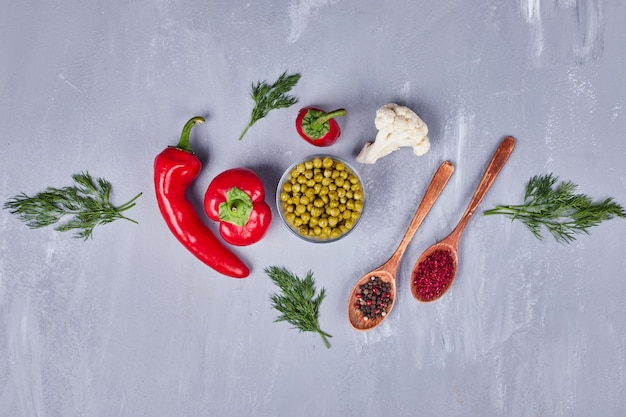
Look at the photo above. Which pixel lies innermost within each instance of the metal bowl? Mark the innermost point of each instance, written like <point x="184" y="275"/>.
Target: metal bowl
<point x="320" y="198"/>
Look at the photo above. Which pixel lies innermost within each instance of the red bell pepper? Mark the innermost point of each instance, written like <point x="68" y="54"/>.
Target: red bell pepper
<point x="236" y="198"/>
<point x="317" y="127"/>
<point x="174" y="170"/>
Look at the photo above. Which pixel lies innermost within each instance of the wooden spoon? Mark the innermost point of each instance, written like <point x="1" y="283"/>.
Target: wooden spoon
<point x="387" y="271"/>
<point x="451" y="242"/>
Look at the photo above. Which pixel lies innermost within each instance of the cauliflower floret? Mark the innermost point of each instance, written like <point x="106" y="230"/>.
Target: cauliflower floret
<point x="398" y="126"/>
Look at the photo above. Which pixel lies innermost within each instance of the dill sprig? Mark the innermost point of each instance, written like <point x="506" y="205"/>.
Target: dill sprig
<point x="269" y="97"/>
<point x="87" y="201"/>
<point x="559" y="209"/>
<point x="298" y="303"/>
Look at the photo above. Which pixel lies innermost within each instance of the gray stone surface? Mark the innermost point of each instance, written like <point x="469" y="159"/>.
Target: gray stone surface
<point x="130" y="324"/>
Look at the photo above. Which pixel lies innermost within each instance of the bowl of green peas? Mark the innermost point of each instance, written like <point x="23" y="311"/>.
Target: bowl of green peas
<point x="320" y="198"/>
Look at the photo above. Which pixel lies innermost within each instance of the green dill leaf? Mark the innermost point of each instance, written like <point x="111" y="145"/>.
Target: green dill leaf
<point x="269" y="97"/>
<point x="78" y="208"/>
<point x="298" y="303"/>
<point x="558" y="209"/>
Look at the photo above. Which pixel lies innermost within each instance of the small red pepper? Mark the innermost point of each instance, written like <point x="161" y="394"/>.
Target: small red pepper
<point x="174" y="170"/>
<point x="318" y="127"/>
<point x="236" y="198"/>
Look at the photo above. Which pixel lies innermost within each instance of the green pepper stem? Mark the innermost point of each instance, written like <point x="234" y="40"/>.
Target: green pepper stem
<point x="183" y="143"/>
<point x="236" y="207"/>
<point x="317" y="123"/>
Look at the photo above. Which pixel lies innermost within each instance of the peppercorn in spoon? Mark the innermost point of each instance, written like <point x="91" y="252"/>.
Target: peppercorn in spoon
<point x="374" y="295"/>
<point x="436" y="268"/>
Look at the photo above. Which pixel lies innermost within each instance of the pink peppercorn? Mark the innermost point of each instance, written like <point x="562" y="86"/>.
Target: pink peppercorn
<point x="434" y="275"/>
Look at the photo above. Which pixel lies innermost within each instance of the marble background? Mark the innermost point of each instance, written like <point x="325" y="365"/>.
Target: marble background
<point x="130" y="324"/>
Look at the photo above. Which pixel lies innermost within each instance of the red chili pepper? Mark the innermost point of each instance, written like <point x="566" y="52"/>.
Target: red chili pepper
<point x="317" y="127"/>
<point x="174" y="170"/>
<point x="236" y="198"/>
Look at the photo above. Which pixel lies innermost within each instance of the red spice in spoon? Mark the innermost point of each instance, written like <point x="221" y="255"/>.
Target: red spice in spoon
<point x="434" y="275"/>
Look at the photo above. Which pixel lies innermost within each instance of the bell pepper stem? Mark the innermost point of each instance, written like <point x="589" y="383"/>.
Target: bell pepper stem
<point x="236" y="208"/>
<point x="317" y="123"/>
<point x="183" y="143"/>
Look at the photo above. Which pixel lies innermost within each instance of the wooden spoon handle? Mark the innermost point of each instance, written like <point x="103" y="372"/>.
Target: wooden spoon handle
<point x="493" y="169"/>
<point x="437" y="184"/>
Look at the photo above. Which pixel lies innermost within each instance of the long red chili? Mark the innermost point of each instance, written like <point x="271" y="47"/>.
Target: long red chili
<point x="175" y="169"/>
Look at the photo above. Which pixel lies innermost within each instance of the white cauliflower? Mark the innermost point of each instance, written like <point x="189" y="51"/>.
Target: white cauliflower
<point x="398" y="126"/>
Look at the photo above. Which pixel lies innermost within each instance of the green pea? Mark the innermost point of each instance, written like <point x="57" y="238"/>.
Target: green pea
<point x="316" y="212"/>
<point x="322" y="198"/>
